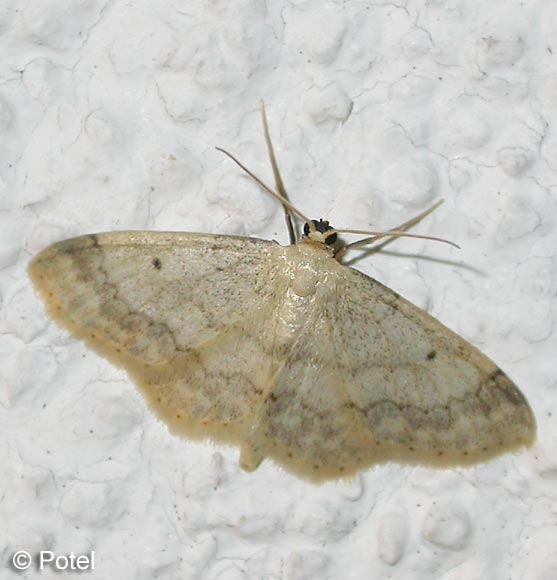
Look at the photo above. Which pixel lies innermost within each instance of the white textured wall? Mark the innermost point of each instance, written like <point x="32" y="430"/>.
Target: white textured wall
<point x="109" y="112"/>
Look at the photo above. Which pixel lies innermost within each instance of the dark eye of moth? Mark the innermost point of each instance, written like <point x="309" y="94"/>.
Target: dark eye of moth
<point x="330" y="240"/>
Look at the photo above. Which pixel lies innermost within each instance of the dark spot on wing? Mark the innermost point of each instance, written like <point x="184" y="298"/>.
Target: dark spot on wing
<point x="431" y="355"/>
<point x="157" y="264"/>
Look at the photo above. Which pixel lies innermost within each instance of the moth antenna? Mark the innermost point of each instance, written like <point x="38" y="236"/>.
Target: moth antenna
<point x="279" y="184"/>
<point x="399" y="231"/>
<point x="391" y="234"/>
<point x="276" y="195"/>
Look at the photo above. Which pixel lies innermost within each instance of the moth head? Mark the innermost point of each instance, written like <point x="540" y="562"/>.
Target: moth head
<point x="320" y="232"/>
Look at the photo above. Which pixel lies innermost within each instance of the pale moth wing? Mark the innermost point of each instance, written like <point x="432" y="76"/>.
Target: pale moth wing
<point x="282" y="351"/>
<point x="184" y="314"/>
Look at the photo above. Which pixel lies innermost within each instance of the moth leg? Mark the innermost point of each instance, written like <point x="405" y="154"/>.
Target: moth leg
<point x="250" y="456"/>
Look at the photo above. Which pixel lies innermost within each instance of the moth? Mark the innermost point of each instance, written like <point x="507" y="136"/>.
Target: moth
<point x="282" y="350"/>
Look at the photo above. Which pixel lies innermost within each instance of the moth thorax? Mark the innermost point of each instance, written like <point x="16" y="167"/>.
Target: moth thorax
<point x="304" y="282"/>
<point x="320" y="232"/>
